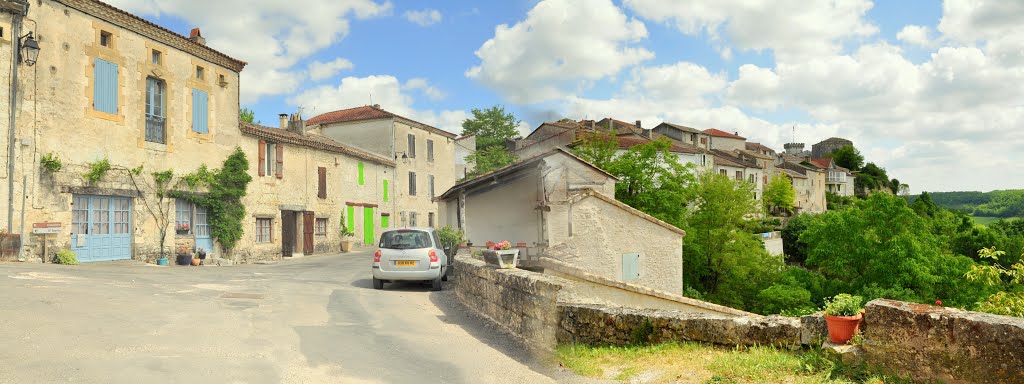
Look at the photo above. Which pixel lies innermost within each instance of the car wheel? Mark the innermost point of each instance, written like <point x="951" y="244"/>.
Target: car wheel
<point x="378" y="284"/>
<point x="436" y="284"/>
<point x="444" y="276"/>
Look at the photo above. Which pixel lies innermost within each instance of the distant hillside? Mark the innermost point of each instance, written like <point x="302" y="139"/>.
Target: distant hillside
<point x="1007" y="203"/>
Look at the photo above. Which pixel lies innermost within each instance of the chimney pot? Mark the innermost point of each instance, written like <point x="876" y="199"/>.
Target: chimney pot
<point x="284" y="120"/>
<point x="638" y="124"/>
<point x="196" y="36"/>
<point x="376" y="106"/>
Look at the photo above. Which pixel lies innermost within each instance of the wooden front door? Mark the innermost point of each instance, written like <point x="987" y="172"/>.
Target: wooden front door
<point x="287" y="233"/>
<point x="307" y="232"/>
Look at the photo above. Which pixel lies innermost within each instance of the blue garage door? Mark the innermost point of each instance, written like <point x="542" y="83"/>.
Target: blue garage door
<point x="203" y="239"/>
<point x="101" y="228"/>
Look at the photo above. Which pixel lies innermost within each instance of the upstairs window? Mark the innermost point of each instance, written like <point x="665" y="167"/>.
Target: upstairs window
<point x="200" y="111"/>
<point x="430" y="150"/>
<point x="270" y="159"/>
<point x="751" y="179"/>
<point x="739" y="175"/>
<point x="321" y="190"/>
<point x="156" y="57"/>
<point x="155" y="110"/>
<point x="430" y="185"/>
<point x="106" y="39"/>
<point x="412" y="146"/>
<point x="723" y="172"/>
<point x="412" y="183"/>
<point x="104" y="97"/>
<point x="200" y="73"/>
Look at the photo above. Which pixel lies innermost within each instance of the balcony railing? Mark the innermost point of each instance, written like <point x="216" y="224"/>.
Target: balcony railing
<point x="831" y="179"/>
<point x="155" y="128"/>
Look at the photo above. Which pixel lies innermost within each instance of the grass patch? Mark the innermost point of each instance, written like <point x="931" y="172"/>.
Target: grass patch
<point x="699" y="363"/>
<point x="985" y="220"/>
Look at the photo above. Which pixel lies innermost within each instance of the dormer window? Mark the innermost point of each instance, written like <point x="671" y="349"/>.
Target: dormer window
<point x="106" y="39"/>
<point x="200" y="73"/>
<point x="157" y="57"/>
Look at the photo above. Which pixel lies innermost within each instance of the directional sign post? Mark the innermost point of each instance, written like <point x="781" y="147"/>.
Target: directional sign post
<point x="45" y="228"/>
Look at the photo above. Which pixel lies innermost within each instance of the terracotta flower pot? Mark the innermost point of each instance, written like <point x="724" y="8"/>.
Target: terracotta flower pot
<point x="842" y="328"/>
<point x="195" y="262"/>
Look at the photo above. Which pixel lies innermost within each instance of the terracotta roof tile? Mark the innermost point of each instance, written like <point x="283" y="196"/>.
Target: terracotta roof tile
<point x="368" y="112"/>
<point x="823" y="163"/>
<point x="310" y="141"/>
<point x="682" y="128"/>
<point x="727" y="159"/>
<point x="630" y="142"/>
<point x="720" y="133"/>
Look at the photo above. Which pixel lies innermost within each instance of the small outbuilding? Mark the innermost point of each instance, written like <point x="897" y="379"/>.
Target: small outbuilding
<point x="558" y="205"/>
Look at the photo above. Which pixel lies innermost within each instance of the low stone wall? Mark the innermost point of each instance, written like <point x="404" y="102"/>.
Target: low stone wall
<point x="602" y="325"/>
<point x="521" y="302"/>
<point x="931" y="343"/>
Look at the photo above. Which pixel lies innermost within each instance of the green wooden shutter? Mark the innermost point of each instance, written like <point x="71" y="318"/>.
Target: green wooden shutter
<point x="630" y="266"/>
<point x="360" y="173"/>
<point x="200" y="111"/>
<point x="385" y="191"/>
<point x="385" y="221"/>
<point x="350" y="219"/>
<point x="104" y="92"/>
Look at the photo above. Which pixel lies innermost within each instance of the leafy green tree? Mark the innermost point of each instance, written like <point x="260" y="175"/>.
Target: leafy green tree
<point x="785" y="297"/>
<point x="247" y="115"/>
<point x="848" y="157"/>
<point x="924" y="206"/>
<point x="793" y="247"/>
<point x="652" y="180"/>
<point x="598" y="148"/>
<point x="1009" y="300"/>
<point x="779" y="195"/>
<point x="492" y="126"/>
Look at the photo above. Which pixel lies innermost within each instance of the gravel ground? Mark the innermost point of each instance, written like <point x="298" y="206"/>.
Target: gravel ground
<point x="308" y="320"/>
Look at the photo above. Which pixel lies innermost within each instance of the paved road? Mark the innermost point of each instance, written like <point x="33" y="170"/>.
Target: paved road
<point x="308" y="320"/>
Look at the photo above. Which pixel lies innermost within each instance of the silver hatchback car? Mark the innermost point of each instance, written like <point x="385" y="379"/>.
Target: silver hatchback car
<point x="410" y="254"/>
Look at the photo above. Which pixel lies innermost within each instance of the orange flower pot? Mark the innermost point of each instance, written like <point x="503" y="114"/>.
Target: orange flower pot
<point x="196" y="261"/>
<point x="842" y="328"/>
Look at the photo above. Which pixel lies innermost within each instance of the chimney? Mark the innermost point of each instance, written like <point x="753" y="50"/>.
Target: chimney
<point x="377" y="106"/>
<point x="638" y="124"/>
<point x="196" y="37"/>
<point x="645" y="132"/>
<point x="296" y="124"/>
<point x="284" y="120"/>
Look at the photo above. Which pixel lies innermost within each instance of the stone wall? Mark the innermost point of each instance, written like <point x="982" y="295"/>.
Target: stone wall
<point x="522" y="303"/>
<point x="603" y="325"/>
<point x="931" y="343"/>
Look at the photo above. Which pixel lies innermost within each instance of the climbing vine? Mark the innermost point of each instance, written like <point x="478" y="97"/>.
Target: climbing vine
<point x="50" y="162"/>
<point x="223" y="200"/>
<point x="97" y="169"/>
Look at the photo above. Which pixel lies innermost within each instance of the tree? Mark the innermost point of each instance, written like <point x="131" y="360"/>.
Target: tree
<point x="1009" y="301"/>
<point x="652" y="180"/>
<point x="492" y="126"/>
<point x="598" y="148"/>
<point x="154" y="197"/>
<point x="924" y="206"/>
<point x="247" y="115"/>
<point x="848" y="157"/>
<point x="779" y="195"/>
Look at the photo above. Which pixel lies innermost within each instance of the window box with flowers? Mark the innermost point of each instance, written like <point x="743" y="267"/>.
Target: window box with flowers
<point x="182" y="228"/>
<point x="502" y="255"/>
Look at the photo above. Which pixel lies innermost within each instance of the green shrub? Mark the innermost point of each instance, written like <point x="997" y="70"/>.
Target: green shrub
<point x="844" y="305"/>
<point x="50" y="162"/>
<point x="450" y="237"/>
<point x="96" y="171"/>
<point x="66" y="257"/>
<point x="783" y="297"/>
<point x="641" y="335"/>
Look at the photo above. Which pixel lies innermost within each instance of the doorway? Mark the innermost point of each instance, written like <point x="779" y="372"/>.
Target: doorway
<point x="287" y="233"/>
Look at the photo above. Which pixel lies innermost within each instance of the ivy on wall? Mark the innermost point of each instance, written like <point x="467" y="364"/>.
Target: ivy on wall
<point x="225" y="188"/>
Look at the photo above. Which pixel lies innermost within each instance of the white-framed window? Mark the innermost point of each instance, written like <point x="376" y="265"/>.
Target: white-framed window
<point x="263" y="230"/>
<point x="412" y="219"/>
<point x="183" y="216"/>
<point x="430" y="150"/>
<point x="321" y="226"/>
<point x="269" y="163"/>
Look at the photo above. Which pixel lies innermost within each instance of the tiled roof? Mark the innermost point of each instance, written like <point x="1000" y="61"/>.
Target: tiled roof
<point x="720" y="133"/>
<point x="823" y="163"/>
<point x="590" y="192"/>
<point x="310" y="141"/>
<point x="114" y="15"/>
<point x="727" y="159"/>
<point x="369" y="112"/>
<point x="629" y="142"/>
<point x="792" y="173"/>
<point x="518" y="165"/>
<point x="758" y="147"/>
<point x="682" y="128"/>
<point x="754" y="154"/>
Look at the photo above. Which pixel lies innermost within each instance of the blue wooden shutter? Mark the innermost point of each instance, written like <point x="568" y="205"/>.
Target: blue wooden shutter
<point x="104" y="96"/>
<point x="630" y="266"/>
<point x="200" y="111"/>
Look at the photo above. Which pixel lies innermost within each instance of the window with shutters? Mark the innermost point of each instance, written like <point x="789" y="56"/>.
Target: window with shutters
<point x="430" y="220"/>
<point x="360" y="176"/>
<point x="430" y="150"/>
<point x="723" y="172"/>
<point x="411" y="146"/>
<point x="412" y="183"/>
<point x="321" y="226"/>
<point x="321" y="190"/>
<point x="385" y="191"/>
<point x="269" y="158"/>
<point x="200" y="111"/>
<point x="751" y="179"/>
<point x="155" y="110"/>
<point x="630" y="266"/>
<point x="739" y="175"/>
<point x="430" y="185"/>
<point x="104" y="98"/>
<point x="412" y="219"/>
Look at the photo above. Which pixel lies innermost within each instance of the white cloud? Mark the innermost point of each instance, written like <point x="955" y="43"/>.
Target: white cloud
<point x="385" y="90"/>
<point x="422" y="85"/>
<point x="319" y="70"/>
<point x="561" y="45"/>
<point x="915" y="35"/>
<point x="271" y="35"/>
<point x="790" y="28"/>
<point x="423" y="18"/>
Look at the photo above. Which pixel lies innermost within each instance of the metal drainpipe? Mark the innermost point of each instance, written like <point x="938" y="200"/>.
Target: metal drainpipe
<point x="15" y="56"/>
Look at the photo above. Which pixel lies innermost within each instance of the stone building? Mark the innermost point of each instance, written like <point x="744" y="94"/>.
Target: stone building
<point x="684" y="134"/>
<point x="424" y="157"/>
<point x="808" y="182"/>
<point x="839" y="180"/>
<point x="558" y="205"/>
<point x="725" y="141"/>
<point x="827" y="146"/>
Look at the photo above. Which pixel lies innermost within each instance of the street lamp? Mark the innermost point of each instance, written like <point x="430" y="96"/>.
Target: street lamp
<point x="30" y="49"/>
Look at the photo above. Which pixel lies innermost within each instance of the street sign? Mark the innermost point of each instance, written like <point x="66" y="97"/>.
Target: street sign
<point x="46" y="227"/>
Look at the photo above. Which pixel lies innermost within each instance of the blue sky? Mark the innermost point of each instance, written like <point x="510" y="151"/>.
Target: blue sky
<point x="902" y="79"/>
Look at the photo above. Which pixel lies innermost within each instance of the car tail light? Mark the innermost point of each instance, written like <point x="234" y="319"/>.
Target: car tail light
<point x="376" y="256"/>
<point x="433" y="256"/>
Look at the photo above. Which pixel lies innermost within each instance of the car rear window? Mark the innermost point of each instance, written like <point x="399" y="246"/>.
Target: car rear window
<point x="405" y="239"/>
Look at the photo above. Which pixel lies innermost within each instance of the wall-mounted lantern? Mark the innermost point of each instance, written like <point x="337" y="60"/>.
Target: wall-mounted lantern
<point x="29" y="49"/>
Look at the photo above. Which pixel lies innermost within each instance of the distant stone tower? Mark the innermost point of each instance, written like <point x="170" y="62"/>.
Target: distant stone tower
<point x="794" y="149"/>
<point x="826" y="147"/>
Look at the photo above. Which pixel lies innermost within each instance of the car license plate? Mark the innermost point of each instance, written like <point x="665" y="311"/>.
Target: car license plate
<point x="405" y="263"/>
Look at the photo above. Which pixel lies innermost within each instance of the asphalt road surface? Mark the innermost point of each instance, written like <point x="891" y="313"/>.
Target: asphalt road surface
<point x="308" y="320"/>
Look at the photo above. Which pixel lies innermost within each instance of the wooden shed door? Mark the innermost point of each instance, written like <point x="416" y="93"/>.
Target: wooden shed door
<point x="307" y="232"/>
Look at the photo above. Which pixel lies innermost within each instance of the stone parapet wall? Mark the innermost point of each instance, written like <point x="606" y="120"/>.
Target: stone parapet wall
<point x="522" y="303"/>
<point x="931" y="343"/>
<point x="603" y="325"/>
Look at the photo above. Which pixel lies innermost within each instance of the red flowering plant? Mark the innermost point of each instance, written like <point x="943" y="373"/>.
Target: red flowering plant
<point x="182" y="227"/>
<point x="502" y="246"/>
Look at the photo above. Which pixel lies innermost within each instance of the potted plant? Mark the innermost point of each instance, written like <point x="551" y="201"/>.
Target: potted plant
<point x="201" y="254"/>
<point x="451" y="238"/>
<point x="345" y="234"/>
<point x="196" y="261"/>
<point x="184" y="256"/>
<point x="843" y="316"/>
<point x="181" y="228"/>
<point x="502" y="255"/>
